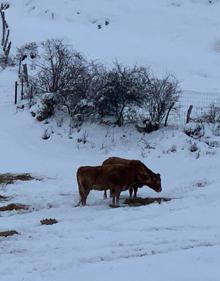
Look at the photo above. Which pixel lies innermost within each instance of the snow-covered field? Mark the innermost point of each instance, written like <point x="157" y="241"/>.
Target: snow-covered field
<point x="177" y="240"/>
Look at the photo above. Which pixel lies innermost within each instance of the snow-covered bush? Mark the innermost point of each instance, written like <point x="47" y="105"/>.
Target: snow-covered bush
<point x="89" y="91"/>
<point x="45" y="107"/>
<point x="66" y="73"/>
<point x="121" y="88"/>
<point x="147" y="126"/>
<point x="194" y="130"/>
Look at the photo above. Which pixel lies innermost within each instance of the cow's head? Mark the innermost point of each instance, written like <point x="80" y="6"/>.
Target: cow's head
<point x="155" y="183"/>
<point x="147" y="177"/>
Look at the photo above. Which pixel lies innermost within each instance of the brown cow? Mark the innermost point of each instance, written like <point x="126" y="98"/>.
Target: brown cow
<point x="116" y="177"/>
<point x="118" y="160"/>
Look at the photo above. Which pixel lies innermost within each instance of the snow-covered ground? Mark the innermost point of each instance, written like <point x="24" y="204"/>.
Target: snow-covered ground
<point x="177" y="240"/>
<point x="170" y="36"/>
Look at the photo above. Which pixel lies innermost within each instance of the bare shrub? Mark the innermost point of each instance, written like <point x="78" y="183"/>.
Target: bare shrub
<point x="211" y="116"/>
<point x="4" y="5"/>
<point x="53" y="68"/>
<point x="46" y="135"/>
<point x="216" y="129"/>
<point x="27" y="50"/>
<point x="84" y="138"/>
<point x="193" y="147"/>
<point x="161" y="97"/>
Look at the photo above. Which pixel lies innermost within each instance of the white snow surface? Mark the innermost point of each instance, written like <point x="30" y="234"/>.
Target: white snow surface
<point x="177" y="240"/>
<point x="170" y="36"/>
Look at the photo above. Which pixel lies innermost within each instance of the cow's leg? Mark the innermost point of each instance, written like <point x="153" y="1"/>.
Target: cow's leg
<point x="83" y="198"/>
<point x="105" y="194"/>
<point x="130" y="192"/>
<point x="85" y="195"/>
<point x="117" y="197"/>
<point x="113" y="200"/>
<point x="111" y="193"/>
<point x="135" y="192"/>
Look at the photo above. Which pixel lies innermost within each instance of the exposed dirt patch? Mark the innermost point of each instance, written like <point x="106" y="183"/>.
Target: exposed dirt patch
<point x="48" y="221"/>
<point x="8" y="233"/>
<point x="135" y="202"/>
<point x="9" y="178"/>
<point x="14" y="206"/>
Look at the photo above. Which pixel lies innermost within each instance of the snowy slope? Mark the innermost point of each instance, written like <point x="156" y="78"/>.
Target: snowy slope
<point x="177" y="240"/>
<point x="170" y="36"/>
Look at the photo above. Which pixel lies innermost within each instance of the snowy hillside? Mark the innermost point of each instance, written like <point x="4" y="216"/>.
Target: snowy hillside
<point x="170" y="36"/>
<point x="178" y="240"/>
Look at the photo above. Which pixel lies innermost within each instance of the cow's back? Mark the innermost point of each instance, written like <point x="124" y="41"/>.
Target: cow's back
<point x="116" y="160"/>
<point x="106" y="175"/>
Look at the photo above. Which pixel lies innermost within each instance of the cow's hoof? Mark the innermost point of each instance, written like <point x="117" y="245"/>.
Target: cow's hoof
<point x="114" y="206"/>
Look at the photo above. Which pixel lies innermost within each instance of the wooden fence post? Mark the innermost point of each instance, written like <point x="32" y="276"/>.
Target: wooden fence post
<point x="188" y="114"/>
<point x="3" y="27"/>
<point x="25" y="71"/>
<point x="16" y="92"/>
<point x="22" y="88"/>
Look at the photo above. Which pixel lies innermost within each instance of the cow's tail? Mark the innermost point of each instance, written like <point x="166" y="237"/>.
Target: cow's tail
<point x="81" y="190"/>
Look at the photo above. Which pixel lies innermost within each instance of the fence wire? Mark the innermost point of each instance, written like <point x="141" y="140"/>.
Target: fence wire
<point x="200" y="101"/>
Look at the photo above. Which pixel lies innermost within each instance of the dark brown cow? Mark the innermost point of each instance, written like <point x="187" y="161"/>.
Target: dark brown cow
<point x="118" y="160"/>
<point x="116" y="177"/>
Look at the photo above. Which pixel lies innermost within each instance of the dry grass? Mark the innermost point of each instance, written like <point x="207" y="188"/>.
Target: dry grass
<point x="14" y="206"/>
<point x="10" y="178"/>
<point x="145" y="201"/>
<point x="48" y="221"/>
<point x="8" y="233"/>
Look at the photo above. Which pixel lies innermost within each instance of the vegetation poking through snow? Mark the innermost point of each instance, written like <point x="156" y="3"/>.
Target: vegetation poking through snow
<point x="48" y="221"/>
<point x="8" y="233"/>
<point x="14" y="207"/>
<point x="10" y="178"/>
